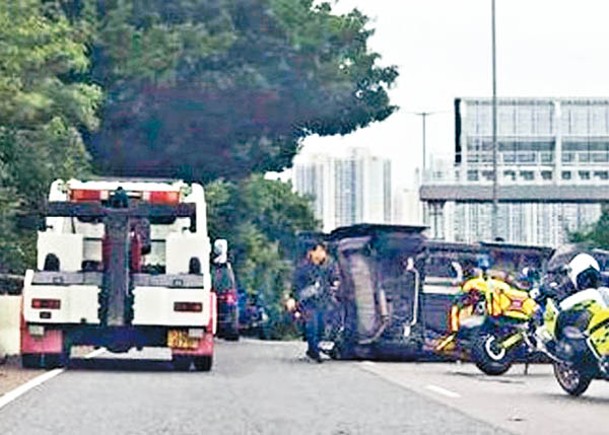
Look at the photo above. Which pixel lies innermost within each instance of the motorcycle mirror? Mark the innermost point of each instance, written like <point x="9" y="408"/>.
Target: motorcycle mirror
<point x="484" y="262"/>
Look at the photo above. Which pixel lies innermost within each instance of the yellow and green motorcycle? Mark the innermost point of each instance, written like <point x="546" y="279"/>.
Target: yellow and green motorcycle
<point x="488" y="320"/>
<point x="575" y="335"/>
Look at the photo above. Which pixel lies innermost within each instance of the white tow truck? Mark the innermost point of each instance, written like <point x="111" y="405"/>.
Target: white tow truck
<point x="122" y="264"/>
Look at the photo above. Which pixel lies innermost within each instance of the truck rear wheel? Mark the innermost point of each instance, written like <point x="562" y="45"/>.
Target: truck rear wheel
<point x="31" y="361"/>
<point x="204" y="363"/>
<point x="181" y="363"/>
<point x="42" y="361"/>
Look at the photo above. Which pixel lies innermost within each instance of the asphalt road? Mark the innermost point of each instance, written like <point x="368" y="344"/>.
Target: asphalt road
<point x="270" y="388"/>
<point x="254" y="388"/>
<point x="530" y="403"/>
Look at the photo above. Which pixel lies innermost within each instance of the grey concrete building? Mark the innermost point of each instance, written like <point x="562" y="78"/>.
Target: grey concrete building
<point x="553" y="170"/>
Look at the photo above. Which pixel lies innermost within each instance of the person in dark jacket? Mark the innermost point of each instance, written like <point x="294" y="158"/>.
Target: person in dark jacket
<point x="312" y="281"/>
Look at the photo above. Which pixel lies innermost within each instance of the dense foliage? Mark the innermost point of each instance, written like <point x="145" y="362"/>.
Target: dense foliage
<point x="214" y="91"/>
<point x="43" y="110"/>
<point x="597" y="235"/>
<point x="202" y="89"/>
<point x="260" y="219"/>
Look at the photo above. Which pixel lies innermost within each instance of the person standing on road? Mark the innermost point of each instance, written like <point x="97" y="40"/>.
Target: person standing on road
<point x="312" y="281"/>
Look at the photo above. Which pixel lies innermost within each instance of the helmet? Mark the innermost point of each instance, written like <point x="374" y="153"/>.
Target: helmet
<point x="584" y="272"/>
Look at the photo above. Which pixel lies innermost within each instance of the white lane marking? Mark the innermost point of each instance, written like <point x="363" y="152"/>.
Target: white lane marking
<point x="22" y="389"/>
<point x="374" y="368"/>
<point x="39" y="380"/>
<point x="443" y="391"/>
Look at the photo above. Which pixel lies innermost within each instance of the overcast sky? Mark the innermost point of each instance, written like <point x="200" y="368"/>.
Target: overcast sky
<point x="443" y="50"/>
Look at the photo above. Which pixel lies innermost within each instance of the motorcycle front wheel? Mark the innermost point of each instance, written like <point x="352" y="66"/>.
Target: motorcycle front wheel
<point x="571" y="379"/>
<point x="489" y="356"/>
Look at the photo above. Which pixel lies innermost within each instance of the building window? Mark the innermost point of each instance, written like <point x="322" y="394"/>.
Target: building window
<point x="527" y="175"/>
<point x="509" y="175"/>
<point x="487" y="175"/>
<point x="472" y="175"/>
<point x="584" y="175"/>
<point x="566" y="175"/>
<point x="601" y="175"/>
<point x="546" y="175"/>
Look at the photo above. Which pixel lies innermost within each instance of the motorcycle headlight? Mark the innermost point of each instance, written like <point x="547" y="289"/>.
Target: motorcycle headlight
<point x="573" y="333"/>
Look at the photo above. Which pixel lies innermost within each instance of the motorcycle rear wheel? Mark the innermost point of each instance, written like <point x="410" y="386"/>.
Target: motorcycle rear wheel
<point x="571" y="379"/>
<point x="488" y="357"/>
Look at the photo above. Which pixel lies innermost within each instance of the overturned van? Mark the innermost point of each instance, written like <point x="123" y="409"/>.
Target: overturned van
<point x="382" y="269"/>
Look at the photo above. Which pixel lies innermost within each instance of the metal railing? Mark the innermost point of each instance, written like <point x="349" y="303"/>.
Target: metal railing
<point x="539" y="165"/>
<point x="540" y="158"/>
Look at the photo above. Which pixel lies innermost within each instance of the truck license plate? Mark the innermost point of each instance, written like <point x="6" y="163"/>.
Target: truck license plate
<point x="179" y="339"/>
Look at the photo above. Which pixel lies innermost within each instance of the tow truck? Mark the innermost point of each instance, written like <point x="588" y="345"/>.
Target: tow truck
<point x="121" y="264"/>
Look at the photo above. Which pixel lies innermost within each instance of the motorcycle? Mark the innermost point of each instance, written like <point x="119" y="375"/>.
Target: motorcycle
<point x="580" y="349"/>
<point x="573" y="333"/>
<point x="489" y="320"/>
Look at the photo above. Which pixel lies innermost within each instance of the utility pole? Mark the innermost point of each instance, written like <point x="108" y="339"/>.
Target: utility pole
<point x="495" y="209"/>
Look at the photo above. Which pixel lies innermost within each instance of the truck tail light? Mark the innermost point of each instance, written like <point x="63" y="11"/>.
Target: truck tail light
<point x="162" y="197"/>
<point x="188" y="307"/>
<point x="86" y="195"/>
<point x="46" y="304"/>
<point x="229" y="298"/>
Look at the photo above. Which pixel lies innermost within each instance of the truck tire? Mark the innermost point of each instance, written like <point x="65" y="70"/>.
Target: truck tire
<point x="181" y="363"/>
<point x="53" y="361"/>
<point x="42" y="361"/>
<point x="31" y="361"/>
<point x="204" y="363"/>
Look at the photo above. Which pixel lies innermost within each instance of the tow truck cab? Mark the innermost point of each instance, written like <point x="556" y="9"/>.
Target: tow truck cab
<point x="121" y="264"/>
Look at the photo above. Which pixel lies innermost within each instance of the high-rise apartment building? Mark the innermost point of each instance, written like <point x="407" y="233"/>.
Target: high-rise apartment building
<point x="406" y="207"/>
<point x="347" y="189"/>
<point x="553" y="170"/>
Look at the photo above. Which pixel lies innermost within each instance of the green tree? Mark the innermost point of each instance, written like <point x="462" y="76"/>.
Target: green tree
<point x="260" y="219"/>
<point x="42" y="111"/>
<point x="202" y="89"/>
<point x="597" y="235"/>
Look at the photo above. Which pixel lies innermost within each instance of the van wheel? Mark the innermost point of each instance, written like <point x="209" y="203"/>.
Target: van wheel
<point x="232" y="336"/>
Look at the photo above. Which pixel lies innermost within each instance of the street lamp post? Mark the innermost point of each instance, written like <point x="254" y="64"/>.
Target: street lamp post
<point x="495" y="209"/>
<point x="424" y="116"/>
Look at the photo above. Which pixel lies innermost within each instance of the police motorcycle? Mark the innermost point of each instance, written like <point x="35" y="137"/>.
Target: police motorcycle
<point x="490" y="317"/>
<point x="574" y="329"/>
